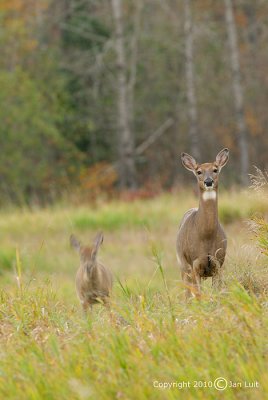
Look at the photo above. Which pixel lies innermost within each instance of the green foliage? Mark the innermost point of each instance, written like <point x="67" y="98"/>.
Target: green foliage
<point x="34" y="155"/>
<point x="85" y="35"/>
<point x="58" y="90"/>
<point x="84" y="31"/>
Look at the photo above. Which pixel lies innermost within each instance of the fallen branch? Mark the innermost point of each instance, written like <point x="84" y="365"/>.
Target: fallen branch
<point x="143" y="146"/>
<point x="154" y="136"/>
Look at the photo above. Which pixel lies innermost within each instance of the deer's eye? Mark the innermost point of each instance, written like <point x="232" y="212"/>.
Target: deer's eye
<point x="215" y="170"/>
<point x="199" y="172"/>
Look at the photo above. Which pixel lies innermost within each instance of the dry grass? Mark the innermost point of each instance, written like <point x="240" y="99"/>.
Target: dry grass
<point x="50" y="351"/>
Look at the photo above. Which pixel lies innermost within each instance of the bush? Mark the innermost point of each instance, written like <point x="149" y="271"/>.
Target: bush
<point x="39" y="167"/>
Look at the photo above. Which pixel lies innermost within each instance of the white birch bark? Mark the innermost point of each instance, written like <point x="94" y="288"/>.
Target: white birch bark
<point x="190" y="85"/>
<point x="237" y="92"/>
<point x="127" y="170"/>
<point x="134" y="59"/>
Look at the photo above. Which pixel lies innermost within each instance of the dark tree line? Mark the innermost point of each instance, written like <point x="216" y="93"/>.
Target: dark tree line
<point x="129" y="85"/>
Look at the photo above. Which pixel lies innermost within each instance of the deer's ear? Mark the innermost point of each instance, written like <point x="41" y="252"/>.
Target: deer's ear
<point x="188" y="162"/>
<point x="74" y="242"/>
<point x="97" y="242"/>
<point x="222" y="158"/>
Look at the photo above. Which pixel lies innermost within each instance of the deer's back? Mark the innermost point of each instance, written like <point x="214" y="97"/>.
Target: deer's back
<point x="188" y="217"/>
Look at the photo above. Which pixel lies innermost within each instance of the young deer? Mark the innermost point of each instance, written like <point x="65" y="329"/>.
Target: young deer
<point x="201" y="241"/>
<point x="93" y="280"/>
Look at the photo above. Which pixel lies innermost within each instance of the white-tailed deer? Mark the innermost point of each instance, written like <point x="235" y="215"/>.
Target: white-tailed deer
<point x="201" y="241"/>
<point x="93" y="280"/>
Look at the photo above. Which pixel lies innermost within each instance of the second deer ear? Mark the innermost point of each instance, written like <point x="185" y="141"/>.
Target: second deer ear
<point x="97" y="242"/>
<point x="222" y="158"/>
<point x="188" y="162"/>
<point x="75" y="243"/>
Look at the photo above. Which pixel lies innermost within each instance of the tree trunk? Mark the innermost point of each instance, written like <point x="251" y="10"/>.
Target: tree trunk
<point x="237" y="92"/>
<point x="191" y="96"/>
<point x="133" y="59"/>
<point x="127" y="169"/>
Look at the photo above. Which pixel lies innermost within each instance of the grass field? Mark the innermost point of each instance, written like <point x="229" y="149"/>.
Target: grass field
<point x="49" y="350"/>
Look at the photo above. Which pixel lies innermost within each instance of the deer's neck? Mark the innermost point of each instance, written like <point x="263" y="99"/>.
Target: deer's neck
<point x="207" y="214"/>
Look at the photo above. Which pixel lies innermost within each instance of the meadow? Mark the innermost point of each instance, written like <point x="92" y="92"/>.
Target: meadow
<point x="152" y="345"/>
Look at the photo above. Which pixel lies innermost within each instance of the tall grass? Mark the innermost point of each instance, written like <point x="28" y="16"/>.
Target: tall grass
<point x="49" y="351"/>
<point x="151" y="339"/>
<point x="259" y="224"/>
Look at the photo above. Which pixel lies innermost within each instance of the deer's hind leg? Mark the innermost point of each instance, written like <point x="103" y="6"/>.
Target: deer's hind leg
<point x="87" y="307"/>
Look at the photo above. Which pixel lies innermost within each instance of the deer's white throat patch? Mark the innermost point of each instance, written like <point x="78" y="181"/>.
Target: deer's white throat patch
<point x="209" y="195"/>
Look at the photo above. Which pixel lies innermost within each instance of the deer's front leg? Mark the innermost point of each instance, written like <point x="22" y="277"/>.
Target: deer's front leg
<point x="188" y="283"/>
<point x="197" y="278"/>
<point x="187" y="278"/>
<point x="86" y="306"/>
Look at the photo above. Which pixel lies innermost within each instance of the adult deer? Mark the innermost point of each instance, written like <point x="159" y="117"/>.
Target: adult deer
<point x="201" y="241"/>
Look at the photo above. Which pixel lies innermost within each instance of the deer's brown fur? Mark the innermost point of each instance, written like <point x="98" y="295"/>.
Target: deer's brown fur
<point x="93" y="280"/>
<point x="201" y="241"/>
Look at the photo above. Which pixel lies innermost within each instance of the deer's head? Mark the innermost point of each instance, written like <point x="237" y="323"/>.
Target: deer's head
<point x="207" y="174"/>
<point x="87" y="253"/>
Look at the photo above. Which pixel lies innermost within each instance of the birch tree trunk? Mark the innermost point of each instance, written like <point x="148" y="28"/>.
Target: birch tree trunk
<point x="134" y="58"/>
<point x="237" y="92"/>
<point x="127" y="169"/>
<point x="190" y="87"/>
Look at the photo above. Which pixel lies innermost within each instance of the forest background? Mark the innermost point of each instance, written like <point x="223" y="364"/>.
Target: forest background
<point x="103" y="95"/>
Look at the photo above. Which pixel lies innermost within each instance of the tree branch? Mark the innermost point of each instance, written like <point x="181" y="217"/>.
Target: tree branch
<point x="154" y="136"/>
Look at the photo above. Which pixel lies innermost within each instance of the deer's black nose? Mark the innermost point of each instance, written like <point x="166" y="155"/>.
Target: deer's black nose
<point x="208" y="182"/>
